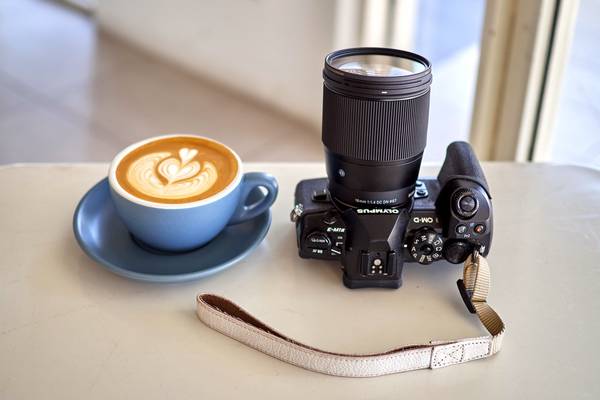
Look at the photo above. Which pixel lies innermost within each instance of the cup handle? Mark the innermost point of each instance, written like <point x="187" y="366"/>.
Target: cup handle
<point x="251" y="181"/>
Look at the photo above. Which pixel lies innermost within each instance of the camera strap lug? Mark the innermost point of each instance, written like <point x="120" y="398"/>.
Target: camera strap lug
<point x="296" y="212"/>
<point x="231" y="320"/>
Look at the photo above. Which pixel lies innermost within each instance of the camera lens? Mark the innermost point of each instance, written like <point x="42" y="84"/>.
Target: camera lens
<point x="375" y="114"/>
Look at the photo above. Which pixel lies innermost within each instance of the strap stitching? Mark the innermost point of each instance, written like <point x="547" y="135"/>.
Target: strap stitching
<point x="229" y="318"/>
<point x="441" y="353"/>
<point x="438" y="362"/>
<point x="348" y="359"/>
<point x="450" y="354"/>
<point x="487" y="353"/>
<point x="321" y="356"/>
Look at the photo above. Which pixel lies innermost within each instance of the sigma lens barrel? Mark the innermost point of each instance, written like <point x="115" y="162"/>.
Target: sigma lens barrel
<point x="375" y="114"/>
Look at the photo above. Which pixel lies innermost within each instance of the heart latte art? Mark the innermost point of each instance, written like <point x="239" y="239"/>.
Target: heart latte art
<point x="169" y="177"/>
<point x="177" y="170"/>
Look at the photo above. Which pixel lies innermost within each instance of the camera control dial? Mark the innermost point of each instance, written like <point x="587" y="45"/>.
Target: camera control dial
<point x="318" y="240"/>
<point x="457" y="251"/>
<point x="465" y="203"/>
<point x="426" y="246"/>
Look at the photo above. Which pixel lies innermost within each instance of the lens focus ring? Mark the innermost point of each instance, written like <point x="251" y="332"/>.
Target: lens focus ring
<point x="375" y="130"/>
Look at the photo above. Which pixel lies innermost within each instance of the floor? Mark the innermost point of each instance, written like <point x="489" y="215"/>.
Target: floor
<point x="71" y="93"/>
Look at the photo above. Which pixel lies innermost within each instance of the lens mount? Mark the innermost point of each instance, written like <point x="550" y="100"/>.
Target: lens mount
<point x="377" y="73"/>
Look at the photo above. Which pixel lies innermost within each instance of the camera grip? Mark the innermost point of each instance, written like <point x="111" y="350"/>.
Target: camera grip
<point x="462" y="163"/>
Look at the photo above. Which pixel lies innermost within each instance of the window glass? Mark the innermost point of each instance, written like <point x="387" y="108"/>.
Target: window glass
<point x="576" y="136"/>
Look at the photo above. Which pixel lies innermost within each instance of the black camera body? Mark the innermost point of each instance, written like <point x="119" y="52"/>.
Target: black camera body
<point x="446" y="219"/>
<point x="372" y="213"/>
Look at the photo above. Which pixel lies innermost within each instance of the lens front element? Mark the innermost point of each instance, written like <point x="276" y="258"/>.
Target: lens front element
<point x="377" y="65"/>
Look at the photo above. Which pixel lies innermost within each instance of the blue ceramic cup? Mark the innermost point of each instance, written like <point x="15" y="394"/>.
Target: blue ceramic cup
<point x="185" y="226"/>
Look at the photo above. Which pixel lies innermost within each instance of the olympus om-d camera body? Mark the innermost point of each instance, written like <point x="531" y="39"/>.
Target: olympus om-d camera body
<point x="372" y="213"/>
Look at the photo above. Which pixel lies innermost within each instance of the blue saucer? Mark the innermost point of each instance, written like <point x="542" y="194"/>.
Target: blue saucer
<point x="104" y="238"/>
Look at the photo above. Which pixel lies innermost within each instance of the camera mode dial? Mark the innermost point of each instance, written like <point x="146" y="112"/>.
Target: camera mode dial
<point x="426" y="246"/>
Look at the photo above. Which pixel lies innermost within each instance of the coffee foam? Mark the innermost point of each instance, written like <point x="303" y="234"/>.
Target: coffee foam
<point x="177" y="170"/>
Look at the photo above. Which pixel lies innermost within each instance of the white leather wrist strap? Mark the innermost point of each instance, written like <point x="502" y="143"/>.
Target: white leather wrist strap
<point x="231" y="320"/>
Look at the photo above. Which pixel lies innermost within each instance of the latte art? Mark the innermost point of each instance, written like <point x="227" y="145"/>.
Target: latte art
<point x="172" y="177"/>
<point x="177" y="170"/>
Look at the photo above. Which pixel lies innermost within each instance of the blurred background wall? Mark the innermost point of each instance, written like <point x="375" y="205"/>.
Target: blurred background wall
<point x="81" y="79"/>
<point x="270" y="50"/>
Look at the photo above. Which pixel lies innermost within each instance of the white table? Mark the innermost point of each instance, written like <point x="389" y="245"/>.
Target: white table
<point x="69" y="329"/>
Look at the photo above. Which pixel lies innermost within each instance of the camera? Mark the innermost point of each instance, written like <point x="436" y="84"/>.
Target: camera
<point x="373" y="213"/>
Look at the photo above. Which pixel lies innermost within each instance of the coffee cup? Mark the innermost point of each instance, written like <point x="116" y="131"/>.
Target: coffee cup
<point x="178" y="192"/>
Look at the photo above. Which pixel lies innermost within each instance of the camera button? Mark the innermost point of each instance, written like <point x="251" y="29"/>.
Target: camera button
<point x="479" y="229"/>
<point x="468" y="203"/>
<point x="427" y="249"/>
<point x="329" y="220"/>
<point x="318" y="240"/>
<point x="465" y="204"/>
<point x="320" y="196"/>
<point x="460" y="229"/>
